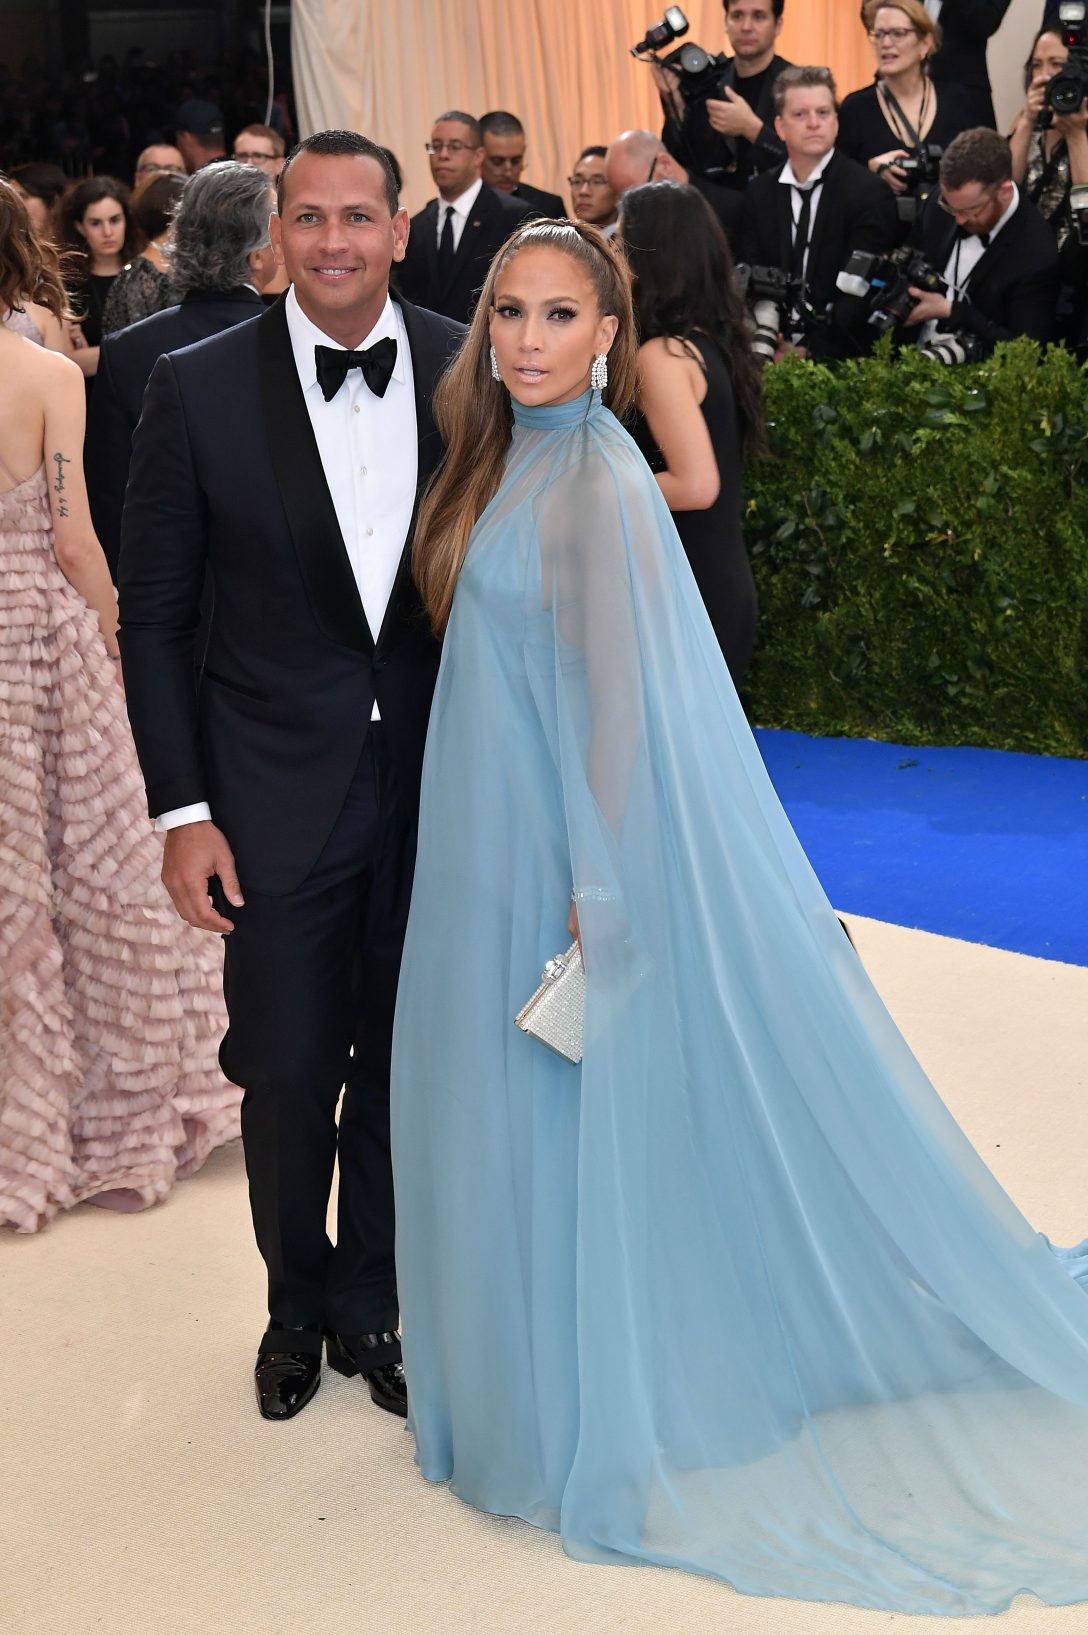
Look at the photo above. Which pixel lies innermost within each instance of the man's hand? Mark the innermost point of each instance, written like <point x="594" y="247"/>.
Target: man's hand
<point x="930" y="305"/>
<point x="667" y="81"/>
<point x="194" y="852"/>
<point x="733" y="117"/>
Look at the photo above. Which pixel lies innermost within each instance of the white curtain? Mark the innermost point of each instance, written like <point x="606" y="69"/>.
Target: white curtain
<point x="563" y="66"/>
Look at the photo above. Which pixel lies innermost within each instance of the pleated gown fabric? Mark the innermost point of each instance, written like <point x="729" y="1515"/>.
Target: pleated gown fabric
<point x="735" y="1295"/>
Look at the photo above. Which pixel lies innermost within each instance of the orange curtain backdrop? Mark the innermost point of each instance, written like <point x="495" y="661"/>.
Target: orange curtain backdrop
<point x="564" y="66"/>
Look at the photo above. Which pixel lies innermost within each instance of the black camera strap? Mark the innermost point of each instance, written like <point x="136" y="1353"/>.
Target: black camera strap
<point x="900" y="124"/>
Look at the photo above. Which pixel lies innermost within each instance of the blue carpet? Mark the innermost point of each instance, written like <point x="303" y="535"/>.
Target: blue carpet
<point x="970" y="843"/>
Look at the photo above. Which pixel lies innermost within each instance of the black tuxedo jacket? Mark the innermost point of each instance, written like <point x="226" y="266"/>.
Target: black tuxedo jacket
<point x="1013" y="289"/>
<point x="725" y="160"/>
<point x="493" y="218"/>
<point x="966" y="29"/>
<point x="226" y="480"/>
<point x="125" y="363"/>
<point x="541" y="203"/>
<point x="856" y="212"/>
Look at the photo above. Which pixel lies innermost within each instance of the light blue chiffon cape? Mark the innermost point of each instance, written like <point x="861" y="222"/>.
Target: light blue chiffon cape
<point x="736" y="1295"/>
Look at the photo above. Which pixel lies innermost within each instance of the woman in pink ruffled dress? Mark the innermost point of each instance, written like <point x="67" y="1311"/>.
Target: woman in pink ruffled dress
<point x="110" y="1008"/>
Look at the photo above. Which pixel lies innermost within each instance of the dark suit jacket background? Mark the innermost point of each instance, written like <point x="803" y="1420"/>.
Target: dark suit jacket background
<point x="491" y="221"/>
<point x="540" y="203"/>
<point x="856" y="212"/>
<point x="124" y="369"/>
<point x="1013" y="289"/>
<point x="226" y="479"/>
<point x="966" y="28"/>
<point x="722" y="159"/>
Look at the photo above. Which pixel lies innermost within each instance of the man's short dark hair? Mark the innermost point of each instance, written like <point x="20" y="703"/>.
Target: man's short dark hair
<point x="979" y="155"/>
<point x="501" y="123"/>
<point x="777" y="6"/>
<point x="340" y="145"/>
<point x="803" y="79"/>
<point x="595" y="152"/>
<point x="456" y="117"/>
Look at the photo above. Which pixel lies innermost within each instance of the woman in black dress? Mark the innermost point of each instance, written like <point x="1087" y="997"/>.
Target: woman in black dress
<point x="700" y="394"/>
<point x="902" y="110"/>
<point x="95" y="221"/>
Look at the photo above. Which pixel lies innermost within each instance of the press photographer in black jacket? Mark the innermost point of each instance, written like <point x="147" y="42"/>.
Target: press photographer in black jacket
<point x="997" y="254"/>
<point x="729" y="139"/>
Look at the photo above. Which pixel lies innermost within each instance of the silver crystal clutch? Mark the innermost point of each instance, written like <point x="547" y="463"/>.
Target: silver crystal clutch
<point x="556" y="1012"/>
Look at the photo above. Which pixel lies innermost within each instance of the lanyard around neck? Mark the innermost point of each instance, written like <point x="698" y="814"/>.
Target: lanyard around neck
<point x="901" y="125"/>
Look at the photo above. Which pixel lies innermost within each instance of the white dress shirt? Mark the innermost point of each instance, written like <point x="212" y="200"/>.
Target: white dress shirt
<point x="370" y="454"/>
<point x="813" y="185"/>
<point x="462" y="210"/>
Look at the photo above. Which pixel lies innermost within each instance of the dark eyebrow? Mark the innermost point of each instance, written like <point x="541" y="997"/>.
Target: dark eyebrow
<point x="550" y="300"/>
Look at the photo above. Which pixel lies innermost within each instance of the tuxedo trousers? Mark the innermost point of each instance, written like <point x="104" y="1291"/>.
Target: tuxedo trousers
<point x="310" y="979"/>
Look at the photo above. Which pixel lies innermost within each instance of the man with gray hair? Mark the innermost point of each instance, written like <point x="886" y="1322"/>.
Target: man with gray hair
<point x="220" y="261"/>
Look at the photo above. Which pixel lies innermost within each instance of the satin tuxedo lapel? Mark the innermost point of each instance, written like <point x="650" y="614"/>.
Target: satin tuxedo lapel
<point x="311" y="515"/>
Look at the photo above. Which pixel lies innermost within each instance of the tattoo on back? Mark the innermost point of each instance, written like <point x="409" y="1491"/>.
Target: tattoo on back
<point x="60" y="461"/>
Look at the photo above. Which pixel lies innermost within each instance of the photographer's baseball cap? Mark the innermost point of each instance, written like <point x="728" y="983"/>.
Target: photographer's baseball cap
<point x="200" y="117"/>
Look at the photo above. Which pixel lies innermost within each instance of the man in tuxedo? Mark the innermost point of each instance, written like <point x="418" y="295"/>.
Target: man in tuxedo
<point x="636" y="157"/>
<point x="997" y="253"/>
<point x="454" y="239"/>
<point x="730" y="138"/>
<point x="967" y="27"/>
<point x="809" y="215"/>
<point x="504" y="161"/>
<point x="284" y="460"/>
<point x="221" y="260"/>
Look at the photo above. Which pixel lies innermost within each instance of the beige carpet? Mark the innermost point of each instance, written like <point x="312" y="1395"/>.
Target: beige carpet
<point x="144" y="1496"/>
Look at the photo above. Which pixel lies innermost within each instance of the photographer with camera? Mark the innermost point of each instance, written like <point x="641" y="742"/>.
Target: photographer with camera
<point x="804" y="219"/>
<point x="1049" y="150"/>
<point x="900" y="125"/>
<point x="725" y="132"/>
<point x="996" y="254"/>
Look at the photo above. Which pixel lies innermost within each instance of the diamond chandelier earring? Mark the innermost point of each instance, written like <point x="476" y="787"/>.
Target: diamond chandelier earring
<point x="598" y="375"/>
<point x="495" y="375"/>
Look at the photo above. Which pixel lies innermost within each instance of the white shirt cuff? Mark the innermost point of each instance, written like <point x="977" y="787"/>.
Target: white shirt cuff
<point x="201" y="812"/>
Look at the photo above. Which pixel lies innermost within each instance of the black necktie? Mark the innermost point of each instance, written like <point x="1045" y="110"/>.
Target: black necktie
<point x="376" y="363"/>
<point x="800" y="234"/>
<point x="445" y="243"/>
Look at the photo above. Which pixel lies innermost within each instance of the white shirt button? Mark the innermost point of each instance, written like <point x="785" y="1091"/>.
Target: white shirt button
<point x="362" y="470"/>
<point x="369" y="532"/>
<point x="356" y="409"/>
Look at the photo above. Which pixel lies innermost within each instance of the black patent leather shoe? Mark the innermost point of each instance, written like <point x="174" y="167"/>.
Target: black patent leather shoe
<point x="377" y="1358"/>
<point x="288" y="1371"/>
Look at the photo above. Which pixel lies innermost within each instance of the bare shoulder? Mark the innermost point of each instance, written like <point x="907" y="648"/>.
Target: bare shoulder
<point x="669" y="357"/>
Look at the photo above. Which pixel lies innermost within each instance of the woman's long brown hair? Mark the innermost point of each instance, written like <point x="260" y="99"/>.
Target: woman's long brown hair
<point x="30" y="268"/>
<point x="473" y="415"/>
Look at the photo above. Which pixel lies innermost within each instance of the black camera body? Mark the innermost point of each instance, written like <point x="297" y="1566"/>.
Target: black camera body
<point x="772" y="296"/>
<point x="699" y="74"/>
<point x="884" y="283"/>
<point x="921" y="166"/>
<point x="1068" y="89"/>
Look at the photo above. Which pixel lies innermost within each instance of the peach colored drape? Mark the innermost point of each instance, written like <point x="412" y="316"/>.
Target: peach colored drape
<point x="563" y="66"/>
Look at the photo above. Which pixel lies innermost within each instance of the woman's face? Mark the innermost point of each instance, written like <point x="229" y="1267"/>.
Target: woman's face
<point x="103" y="226"/>
<point x="898" y="45"/>
<point x="546" y="327"/>
<point x="36" y="209"/>
<point x="1050" y="56"/>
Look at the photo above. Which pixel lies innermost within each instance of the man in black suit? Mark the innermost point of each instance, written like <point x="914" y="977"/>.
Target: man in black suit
<point x="636" y="157"/>
<point x="454" y="239"/>
<point x="967" y="27"/>
<point x="284" y="459"/>
<point x="504" y="161"/>
<point x="997" y="253"/>
<point x="730" y="138"/>
<point x="221" y="259"/>
<point x="808" y="216"/>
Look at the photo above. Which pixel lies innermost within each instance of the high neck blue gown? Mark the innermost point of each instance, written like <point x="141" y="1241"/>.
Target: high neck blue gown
<point x="736" y="1294"/>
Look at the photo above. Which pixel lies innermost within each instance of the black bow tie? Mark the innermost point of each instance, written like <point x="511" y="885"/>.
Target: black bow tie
<point x="376" y="363"/>
<point x="983" y="238"/>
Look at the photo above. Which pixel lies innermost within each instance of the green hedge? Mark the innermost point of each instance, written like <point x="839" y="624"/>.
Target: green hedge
<point x="919" y="537"/>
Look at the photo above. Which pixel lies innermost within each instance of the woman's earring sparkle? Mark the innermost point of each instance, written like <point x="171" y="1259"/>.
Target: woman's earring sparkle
<point x="598" y="375"/>
<point x="495" y="375"/>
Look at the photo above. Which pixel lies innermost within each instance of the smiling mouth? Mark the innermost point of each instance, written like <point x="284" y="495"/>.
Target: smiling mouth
<point x="333" y="272"/>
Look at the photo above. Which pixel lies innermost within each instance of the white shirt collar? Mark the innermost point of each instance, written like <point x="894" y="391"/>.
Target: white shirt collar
<point x="463" y="203"/>
<point x="790" y="180"/>
<point x="1008" y="215"/>
<point x="305" y="335"/>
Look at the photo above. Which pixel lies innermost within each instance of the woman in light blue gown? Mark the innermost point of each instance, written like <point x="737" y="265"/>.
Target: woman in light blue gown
<point x="735" y="1294"/>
